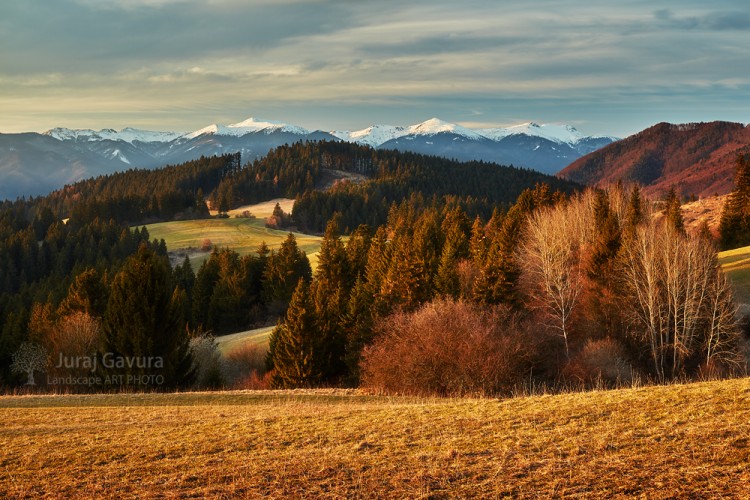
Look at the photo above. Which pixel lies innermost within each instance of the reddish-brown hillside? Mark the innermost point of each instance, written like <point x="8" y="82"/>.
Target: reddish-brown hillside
<point x="697" y="158"/>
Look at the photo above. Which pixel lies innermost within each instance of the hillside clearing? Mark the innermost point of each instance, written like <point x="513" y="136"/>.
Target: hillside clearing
<point x="261" y="210"/>
<point x="707" y="209"/>
<point x="257" y="336"/>
<point x="681" y="440"/>
<point x="736" y="265"/>
<point x="242" y="235"/>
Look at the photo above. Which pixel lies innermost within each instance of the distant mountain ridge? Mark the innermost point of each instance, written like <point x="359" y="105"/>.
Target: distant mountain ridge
<point x="696" y="159"/>
<point x="35" y="164"/>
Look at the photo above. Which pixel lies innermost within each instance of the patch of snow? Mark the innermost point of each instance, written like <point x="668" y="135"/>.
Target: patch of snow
<point x="118" y="154"/>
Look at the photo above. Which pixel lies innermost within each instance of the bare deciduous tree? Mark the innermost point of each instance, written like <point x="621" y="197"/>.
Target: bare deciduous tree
<point x="551" y="270"/>
<point x="678" y="300"/>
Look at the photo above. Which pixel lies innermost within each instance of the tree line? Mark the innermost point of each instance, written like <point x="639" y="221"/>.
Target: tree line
<point x="592" y="288"/>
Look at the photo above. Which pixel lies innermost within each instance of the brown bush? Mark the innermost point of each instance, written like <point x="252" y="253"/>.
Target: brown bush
<point x="601" y="362"/>
<point x="254" y="382"/>
<point x="448" y="348"/>
<point x="73" y="337"/>
<point x="206" y="245"/>
<point x="245" y="362"/>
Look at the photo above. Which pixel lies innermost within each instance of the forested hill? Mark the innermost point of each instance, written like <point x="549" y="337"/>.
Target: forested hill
<point x="694" y="159"/>
<point x="372" y="181"/>
<point x="357" y="181"/>
<point x="140" y="196"/>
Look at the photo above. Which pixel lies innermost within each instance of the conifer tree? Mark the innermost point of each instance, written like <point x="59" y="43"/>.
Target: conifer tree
<point x="356" y="250"/>
<point x="330" y="292"/>
<point x="87" y="294"/>
<point x="497" y="279"/>
<point x="283" y="270"/>
<point x="478" y="242"/>
<point x="378" y="262"/>
<point x="297" y="350"/>
<point x="406" y="284"/>
<point x="734" y="225"/>
<point x="673" y="212"/>
<point x="608" y="240"/>
<point x="205" y="281"/>
<point x="142" y="320"/>
<point x="634" y="214"/>
<point x="446" y="281"/>
<point x="425" y="237"/>
<point x="358" y="325"/>
<point x="456" y="227"/>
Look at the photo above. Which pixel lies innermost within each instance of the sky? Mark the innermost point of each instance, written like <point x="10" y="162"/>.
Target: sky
<point x="608" y="68"/>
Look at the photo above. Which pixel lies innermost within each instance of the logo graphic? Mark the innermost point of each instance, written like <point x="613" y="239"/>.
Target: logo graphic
<point x="28" y="358"/>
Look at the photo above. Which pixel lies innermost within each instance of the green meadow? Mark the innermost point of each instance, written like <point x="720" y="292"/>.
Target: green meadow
<point x="736" y="264"/>
<point x="242" y="234"/>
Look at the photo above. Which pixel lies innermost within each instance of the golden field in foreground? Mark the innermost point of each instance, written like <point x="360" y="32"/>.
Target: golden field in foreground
<point x="681" y="440"/>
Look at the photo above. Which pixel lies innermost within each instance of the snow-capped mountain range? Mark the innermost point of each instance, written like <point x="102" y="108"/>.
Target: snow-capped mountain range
<point x="34" y="164"/>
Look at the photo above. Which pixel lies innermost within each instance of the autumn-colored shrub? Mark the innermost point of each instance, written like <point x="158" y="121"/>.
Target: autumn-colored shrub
<point x="448" y="348"/>
<point x="207" y="362"/>
<point x="601" y="361"/>
<point x="244" y="364"/>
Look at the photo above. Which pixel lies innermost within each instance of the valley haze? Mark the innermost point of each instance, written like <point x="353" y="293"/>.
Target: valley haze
<point x="35" y="164"/>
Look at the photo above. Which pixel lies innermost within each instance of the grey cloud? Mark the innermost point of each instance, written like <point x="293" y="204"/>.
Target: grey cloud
<point x="60" y="36"/>
<point x="449" y="43"/>
<point x="718" y="20"/>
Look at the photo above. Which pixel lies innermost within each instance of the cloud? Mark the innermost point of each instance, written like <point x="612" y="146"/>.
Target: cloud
<point x="166" y="57"/>
<point x="717" y="21"/>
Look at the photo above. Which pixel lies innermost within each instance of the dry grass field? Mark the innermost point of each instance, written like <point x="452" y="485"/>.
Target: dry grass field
<point x="655" y="442"/>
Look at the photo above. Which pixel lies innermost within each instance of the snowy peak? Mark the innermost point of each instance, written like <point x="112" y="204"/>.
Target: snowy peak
<point x="128" y="134"/>
<point x="374" y="135"/>
<point x="212" y="129"/>
<point x="435" y="126"/>
<point x="249" y="126"/>
<point x="371" y="136"/>
<point x="255" y="125"/>
<point x="67" y="134"/>
<point x="132" y="135"/>
<point x="561" y="134"/>
<point x="380" y="134"/>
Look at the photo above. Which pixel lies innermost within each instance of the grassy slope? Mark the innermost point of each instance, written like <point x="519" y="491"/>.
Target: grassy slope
<point x="656" y="442"/>
<point x="258" y="336"/>
<point x="243" y="235"/>
<point x="736" y="264"/>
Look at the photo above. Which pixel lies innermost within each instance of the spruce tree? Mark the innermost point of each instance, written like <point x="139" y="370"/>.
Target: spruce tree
<point x="498" y="276"/>
<point x="283" y="270"/>
<point x="608" y="240"/>
<point x="673" y="211"/>
<point x="87" y="294"/>
<point x="378" y="262"/>
<point x="357" y="248"/>
<point x="330" y="292"/>
<point x="358" y="325"/>
<point x="297" y="356"/>
<point x="478" y="242"/>
<point x="446" y="281"/>
<point x="142" y="322"/>
<point x="734" y="226"/>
